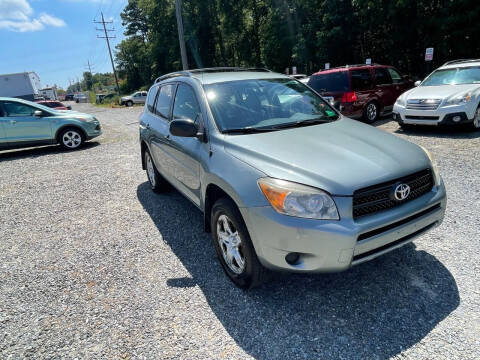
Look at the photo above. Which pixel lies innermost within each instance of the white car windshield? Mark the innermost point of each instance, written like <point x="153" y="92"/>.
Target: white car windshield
<point x="454" y="76"/>
<point x="265" y="104"/>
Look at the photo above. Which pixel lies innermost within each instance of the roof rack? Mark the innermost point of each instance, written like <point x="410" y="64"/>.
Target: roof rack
<point x="458" y="61"/>
<point x="189" y="73"/>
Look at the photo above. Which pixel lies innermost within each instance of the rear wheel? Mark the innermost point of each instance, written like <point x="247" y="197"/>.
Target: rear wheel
<point x="157" y="183"/>
<point x="370" y="113"/>
<point x="234" y="247"/>
<point x="71" y="139"/>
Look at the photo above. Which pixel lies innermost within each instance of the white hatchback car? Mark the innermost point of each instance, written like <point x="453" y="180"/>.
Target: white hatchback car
<point x="449" y="95"/>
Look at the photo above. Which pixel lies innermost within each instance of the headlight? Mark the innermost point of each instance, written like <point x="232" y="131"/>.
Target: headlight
<point x="298" y="200"/>
<point x="465" y="98"/>
<point x="436" y="173"/>
<point x="400" y="101"/>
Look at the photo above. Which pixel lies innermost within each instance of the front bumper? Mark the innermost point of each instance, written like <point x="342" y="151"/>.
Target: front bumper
<point x="332" y="246"/>
<point x="93" y="130"/>
<point x="449" y="115"/>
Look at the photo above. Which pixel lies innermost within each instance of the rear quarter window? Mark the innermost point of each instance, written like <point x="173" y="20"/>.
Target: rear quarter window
<point x="331" y="82"/>
<point x="152" y="94"/>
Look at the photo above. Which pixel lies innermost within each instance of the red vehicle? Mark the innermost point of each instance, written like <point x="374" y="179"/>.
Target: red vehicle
<point x="57" y="105"/>
<point x="361" y="91"/>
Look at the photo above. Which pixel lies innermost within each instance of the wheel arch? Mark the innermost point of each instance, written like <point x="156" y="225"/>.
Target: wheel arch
<point x="213" y="192"/>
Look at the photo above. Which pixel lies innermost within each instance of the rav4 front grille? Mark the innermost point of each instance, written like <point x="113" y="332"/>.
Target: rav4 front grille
<point x="373" y="199"/>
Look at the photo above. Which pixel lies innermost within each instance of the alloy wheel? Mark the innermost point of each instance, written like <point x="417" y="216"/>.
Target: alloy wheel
<point x="230" y="244"/>
<point x="150" y="169"/>
<point x="72" y="139"/>
<point x="371" y="112"/>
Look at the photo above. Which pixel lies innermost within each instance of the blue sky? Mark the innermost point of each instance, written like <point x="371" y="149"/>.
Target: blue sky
<point x="56" y="38"/>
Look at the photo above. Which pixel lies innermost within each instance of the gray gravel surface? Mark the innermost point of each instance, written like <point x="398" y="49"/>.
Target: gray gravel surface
<point x="94" y="265"/>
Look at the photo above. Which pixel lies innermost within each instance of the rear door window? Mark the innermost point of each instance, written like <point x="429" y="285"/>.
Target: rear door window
<point x="152" y="94"/>
<point x="361" y="80"/>
<point x="382" y="77"/>
<point x="330" y="82"/>
<point x="164" y="100"/>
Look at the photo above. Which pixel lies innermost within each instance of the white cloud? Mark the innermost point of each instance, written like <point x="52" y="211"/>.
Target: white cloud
<point x="17" y="15"/>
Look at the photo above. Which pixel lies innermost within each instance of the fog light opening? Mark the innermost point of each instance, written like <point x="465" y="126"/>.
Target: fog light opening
<point x="456" y="118"/>
<point x="292" y="258"/>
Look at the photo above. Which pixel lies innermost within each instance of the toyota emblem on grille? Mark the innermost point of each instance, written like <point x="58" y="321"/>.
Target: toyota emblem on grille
<point x="401" y="192"/>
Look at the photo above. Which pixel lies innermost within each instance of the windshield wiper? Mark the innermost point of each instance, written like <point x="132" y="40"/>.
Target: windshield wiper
<point x="248" y="130"/>
<point x="305" y="122"/>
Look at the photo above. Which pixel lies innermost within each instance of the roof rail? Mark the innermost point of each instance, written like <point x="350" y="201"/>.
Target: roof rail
<point x="172" y="75"/>
<point x="189" y="73"/>
<point x="460" y="61"/>
<point x="349" y="66"/>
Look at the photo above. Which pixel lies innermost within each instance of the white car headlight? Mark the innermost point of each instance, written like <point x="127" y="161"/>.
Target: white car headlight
<point x="436" y="173"/>
<point x="298" y="200"/>
<point x="400" y="101"/>
<point x="462" y="99"/>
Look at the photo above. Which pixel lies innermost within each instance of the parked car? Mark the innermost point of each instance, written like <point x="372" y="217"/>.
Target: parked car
<point x="69" y="97"/>
<point x="285" y="182"/>
<point x="80" y="98"/>
<point x="57" y="105"/>
<point x="136" y="98"/>
<point x="101" y="98"/>
<point x="361" y="91"/>
<point x="25" y="124"/>
<point x="450" y="95"/>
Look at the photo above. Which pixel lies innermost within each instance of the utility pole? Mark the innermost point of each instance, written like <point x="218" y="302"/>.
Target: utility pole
<point x="181" y="38"/>
<point x="107" y="37"/>
<point x="89" y="67"/>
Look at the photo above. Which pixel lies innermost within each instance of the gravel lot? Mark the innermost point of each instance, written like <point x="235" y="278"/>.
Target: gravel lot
<point x="94" y="265"/>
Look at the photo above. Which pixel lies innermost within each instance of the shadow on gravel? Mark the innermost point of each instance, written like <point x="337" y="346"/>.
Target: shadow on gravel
<point x="375" y="310"/>
<point x="10" y="155"/>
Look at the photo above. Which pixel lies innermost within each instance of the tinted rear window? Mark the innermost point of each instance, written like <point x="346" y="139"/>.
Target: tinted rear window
<point x="361" y="80"/>
<point x="331" y="82"/>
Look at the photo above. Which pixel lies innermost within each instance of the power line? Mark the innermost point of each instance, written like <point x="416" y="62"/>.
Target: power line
<point x="107" y="38"/>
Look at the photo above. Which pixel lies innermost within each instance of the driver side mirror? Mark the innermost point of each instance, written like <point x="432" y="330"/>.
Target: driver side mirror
<point x="186" y="128"/>
<point x="38" y="113"/>
<point x="417" y="83"/>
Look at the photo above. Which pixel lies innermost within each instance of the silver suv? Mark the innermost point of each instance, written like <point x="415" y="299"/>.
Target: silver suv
<point x="284" y="181"/>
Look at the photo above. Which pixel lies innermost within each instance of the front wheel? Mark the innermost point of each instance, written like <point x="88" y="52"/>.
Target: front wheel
<point x="234" y="247"/>
<point x="71" y="139"/>
<point x="370" y="113"/>
<point x="129" y="103"/>
<point x="476" y="120"/>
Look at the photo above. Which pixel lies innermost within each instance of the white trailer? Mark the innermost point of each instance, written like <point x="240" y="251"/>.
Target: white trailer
<point x="24" y="85"/>
<point x="49" y="93"/>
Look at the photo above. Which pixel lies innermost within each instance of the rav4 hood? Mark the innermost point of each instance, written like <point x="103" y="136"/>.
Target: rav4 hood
<point x="338" y="157"/>
<point x="439" y="92"/>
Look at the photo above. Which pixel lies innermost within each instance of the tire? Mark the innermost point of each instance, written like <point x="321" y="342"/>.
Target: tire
<point x="71" y="139"/>
<point x="156" y="181"/>
<point x="476" y="120"/>
<point x="371" y="112"/>
<point x="129" y="103"/>
<point x="243" y="268"/>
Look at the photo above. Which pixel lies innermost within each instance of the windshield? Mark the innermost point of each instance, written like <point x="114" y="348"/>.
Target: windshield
<point x="265" y="104"/>
<point x="454" y="76"/>
<point x="330" y="82"/>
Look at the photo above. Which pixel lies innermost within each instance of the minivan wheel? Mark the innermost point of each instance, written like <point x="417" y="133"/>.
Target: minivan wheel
<point x="71" y="139"/>
<point x="154" y="178"/>
<point x="234" y="248"/>
<point x="370" y="114"/>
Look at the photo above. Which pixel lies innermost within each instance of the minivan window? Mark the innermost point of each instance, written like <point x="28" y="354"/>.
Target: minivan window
<point x="330" y="82"/>
<point x="382" y="77"/>
<point x="361" y="80"/>
<point x="151" y="98"/>
<point x="164" y="100"/>
<point x="186" y="105"/>
<point x="396" y="77"/>
<point x="265" y="105"/>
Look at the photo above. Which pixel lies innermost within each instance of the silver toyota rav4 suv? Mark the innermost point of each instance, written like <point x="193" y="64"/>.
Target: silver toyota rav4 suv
<point x="284" y="181"/>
